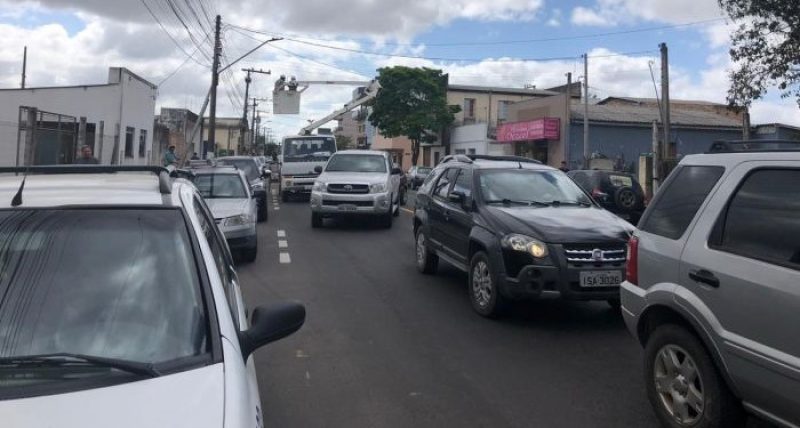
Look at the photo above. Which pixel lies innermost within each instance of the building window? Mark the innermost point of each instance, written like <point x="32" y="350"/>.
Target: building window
<point x="142" y="143"/>
<point x="461" y="152"/>
<point x="471" y="151"/>
<point x="469" y="108"/>
<point x="502" y="110"/>
<point x="129" y="141"/>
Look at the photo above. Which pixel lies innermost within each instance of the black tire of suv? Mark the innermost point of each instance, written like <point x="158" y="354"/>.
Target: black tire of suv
<point x="497" y="304"/>
<point x="284" y="197"/>
<point x="429" y="262"/>
<point x="626" y="199"/>
<point x="316" y="220"/>
<point x="721" y="408"/>
<point x="249" y="255"/>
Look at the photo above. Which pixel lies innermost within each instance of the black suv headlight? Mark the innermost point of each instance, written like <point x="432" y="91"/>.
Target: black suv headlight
<point x="525" y="244"/>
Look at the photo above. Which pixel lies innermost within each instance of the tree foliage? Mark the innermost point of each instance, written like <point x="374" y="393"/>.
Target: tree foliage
<point x="344" y="142"/>
<point x="412" y="102"/>
<point x="765" y="48"/>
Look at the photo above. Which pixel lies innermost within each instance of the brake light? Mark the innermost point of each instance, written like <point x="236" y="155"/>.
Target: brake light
<point x="632" y="265"/>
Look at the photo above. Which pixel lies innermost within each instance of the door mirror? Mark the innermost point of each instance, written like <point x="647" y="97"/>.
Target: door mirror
<point x="460" y="198"/>
<point x="271" y="323"/>
<point x="318" y="169"/>
<point x="397" y="171"/>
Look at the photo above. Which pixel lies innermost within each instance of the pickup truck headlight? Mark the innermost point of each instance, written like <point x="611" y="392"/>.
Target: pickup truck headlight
<point x="525" y="244"/>
<point x="238" y="220"/>
<point x="319" y="186"/>
<point x="377" y="188"/>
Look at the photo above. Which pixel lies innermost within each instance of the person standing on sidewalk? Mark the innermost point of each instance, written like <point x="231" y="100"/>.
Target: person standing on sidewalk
<point x="170" y="158"/>
<point x="86" y="157"/>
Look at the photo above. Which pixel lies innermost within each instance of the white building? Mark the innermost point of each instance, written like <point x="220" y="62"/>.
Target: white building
<point x="473" y="140"/>
<point x="48" y="125"/>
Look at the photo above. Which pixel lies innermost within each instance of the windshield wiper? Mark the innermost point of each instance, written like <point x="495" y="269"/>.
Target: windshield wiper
<point x="507" y="201"/>
<point x="64" y="358"/>
<point x="580" y="203"/>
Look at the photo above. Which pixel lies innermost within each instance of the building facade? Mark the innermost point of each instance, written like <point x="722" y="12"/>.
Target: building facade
<point x="178" y="123"/>
<point x="48" y="125"/>
<point x="227" y="136"/>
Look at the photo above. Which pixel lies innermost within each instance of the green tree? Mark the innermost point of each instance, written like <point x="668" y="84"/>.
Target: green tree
<point x="344" y="142"/>
<point x="412" y="102"/>
<point x="765" y="48"/>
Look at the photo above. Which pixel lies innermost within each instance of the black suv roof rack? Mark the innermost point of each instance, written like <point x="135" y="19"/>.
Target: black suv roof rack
<point x="162" y="173"/>
<point x="745" y="146"/>
<point x="473" y="158"/>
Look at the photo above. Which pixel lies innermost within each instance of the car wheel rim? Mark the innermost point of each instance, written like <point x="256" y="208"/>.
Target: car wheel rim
<point x="627" y="199"/>
<point x="678" y="385"/>
<point x="421" y="249"/>
<point x="481" y="284"/>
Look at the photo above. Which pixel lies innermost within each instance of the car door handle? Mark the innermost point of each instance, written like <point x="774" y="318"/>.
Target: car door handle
<point x="705" y="277"/>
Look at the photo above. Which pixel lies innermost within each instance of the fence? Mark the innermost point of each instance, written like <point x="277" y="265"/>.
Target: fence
<point x="45" y="138"/>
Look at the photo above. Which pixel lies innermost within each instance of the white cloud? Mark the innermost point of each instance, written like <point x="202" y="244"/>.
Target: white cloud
<point x="586" y="16"/>
<point x="555" y="18"/>
<point x="612" y="12"/>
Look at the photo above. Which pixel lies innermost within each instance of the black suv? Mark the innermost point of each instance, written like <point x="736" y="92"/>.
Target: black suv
<point x="618" y="192"/>
<point x="520" y="229"/>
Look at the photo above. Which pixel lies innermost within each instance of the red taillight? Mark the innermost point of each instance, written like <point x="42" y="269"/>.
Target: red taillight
<point x="632" y="266"/>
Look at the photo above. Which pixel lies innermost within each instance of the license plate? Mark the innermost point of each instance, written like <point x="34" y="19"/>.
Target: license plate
<point x="600" y="278"/>
<point x="347" y="207"/>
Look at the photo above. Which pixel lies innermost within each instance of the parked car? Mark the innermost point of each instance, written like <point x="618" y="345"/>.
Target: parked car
<point x="200" y="163"/>
<point x="255" y="176"/>
<point x="233" y="206"/>
<point x="618" y="192"/>
<point x="356" y="182"/>
<point x="120" y="307"/>
<point x="416" y="175"/>
<point x="520" y="230"/>
<point x="712" y="290"/>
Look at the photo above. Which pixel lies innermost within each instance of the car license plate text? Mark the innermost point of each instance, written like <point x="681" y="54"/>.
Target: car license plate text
<point x="600" y="278"/>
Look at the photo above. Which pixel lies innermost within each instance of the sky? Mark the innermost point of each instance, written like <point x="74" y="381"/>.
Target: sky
<point x="508" y="43"/>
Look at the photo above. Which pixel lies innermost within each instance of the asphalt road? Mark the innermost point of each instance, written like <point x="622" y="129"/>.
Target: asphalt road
<point x="385" y="346"/>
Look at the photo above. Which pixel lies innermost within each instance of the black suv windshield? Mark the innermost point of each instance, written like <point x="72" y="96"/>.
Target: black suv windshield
<point x="213" y="186"/>
<point x="107" y="291"/>
<point x="357" y="163"/>
<point x="530" y="187"/>
<point x="247" y="165"/>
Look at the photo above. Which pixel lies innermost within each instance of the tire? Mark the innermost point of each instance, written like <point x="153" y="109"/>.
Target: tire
<point x="403" y="198"/>
<point x="316" y="220"/>
<point x="427" y="262"/>
<point x="284" y="197"/>
<point x="249" y="255"/>
<point x="386" y="219"/>
<point x="615" y="304"/>
<point x="626" y="199"/>
<point x="263" y="211"/>
<point x="718" y="408"/>
<point x="483" y="292"/>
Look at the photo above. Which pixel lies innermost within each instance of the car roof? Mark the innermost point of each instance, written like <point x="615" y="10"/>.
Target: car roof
<point x="483" y="163"/>
<point x="732" y="159"/>
<point x="236" y="158"/>
<point x="361" y="152"/>
<point x="218" y="170"/>
<point x="114" y="189"/>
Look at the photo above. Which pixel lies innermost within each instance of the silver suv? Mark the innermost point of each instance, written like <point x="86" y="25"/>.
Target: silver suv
<point x="713" y="290"/>
<point x="357" y="182"/>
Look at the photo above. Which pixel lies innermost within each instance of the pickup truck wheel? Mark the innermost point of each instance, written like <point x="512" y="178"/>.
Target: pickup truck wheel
<point x="263" y="210"/>
<point x="483" y="293"/>
<point x="386" y="219"/>
<point x="427" y="262"/>
<point x="683" y="384"/>
<point x="316" y="220"/>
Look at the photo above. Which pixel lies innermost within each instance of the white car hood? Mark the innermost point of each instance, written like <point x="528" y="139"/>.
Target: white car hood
<point x="193" y="398"/>
<point x="354" y="177"/>
<point x="226" y="207"/>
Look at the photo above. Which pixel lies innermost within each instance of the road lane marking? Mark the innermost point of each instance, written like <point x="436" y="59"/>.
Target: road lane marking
<point x="283" y="243"/>
<point x="407" y="210"/>
<point x="285" y="258"/>
<point x="281" y="234"/>
<point x="276" y="208"/>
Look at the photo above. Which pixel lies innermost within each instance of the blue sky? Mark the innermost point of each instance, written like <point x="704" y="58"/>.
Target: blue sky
<point x="73" y="42"/>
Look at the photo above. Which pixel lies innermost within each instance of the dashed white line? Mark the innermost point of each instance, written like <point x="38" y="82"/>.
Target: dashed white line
<point x="276" y="208"/>
<point x="283" y="243"/>
<point x="281" y="234"/>
<point x="285" y="258"/>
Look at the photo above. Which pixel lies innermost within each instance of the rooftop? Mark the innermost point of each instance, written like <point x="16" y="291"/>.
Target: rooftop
<point x="635" y="100"/>
<point x="646" y="114"/>
<point x="499" y="90"/>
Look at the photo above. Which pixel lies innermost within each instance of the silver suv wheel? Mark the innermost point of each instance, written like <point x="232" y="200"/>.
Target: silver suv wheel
<point x="679" y="385"/>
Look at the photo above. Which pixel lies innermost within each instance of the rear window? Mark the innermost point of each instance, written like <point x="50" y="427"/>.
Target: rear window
<point x="677" y="203"/>
<point x="621" y="181"/>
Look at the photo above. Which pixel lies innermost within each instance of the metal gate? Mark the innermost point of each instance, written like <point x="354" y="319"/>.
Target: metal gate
<point x="45" y="138"/>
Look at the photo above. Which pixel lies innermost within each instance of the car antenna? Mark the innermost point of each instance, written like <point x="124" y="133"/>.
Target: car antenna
<point x="17" y="199"/>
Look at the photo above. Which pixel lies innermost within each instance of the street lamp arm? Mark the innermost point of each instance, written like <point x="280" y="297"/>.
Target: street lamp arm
<point x="274" y="39"/>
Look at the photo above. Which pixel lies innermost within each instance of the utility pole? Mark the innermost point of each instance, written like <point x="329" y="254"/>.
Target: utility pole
<point x="253" y="125"/>
<point x="567" y="119"/>
<point x="212" y="120"/>
<point x="24" y="65"/>
<point x="247" y="81"/>
<point x="586" y="111"/>
<point x="665" y="102"/>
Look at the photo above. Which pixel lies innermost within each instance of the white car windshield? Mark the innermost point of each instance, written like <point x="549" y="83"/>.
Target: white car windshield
<point x="356" y="163"/>
<point x="214" y="186"/>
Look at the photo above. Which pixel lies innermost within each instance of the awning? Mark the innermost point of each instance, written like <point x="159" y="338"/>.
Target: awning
<point x="548" y="128"/>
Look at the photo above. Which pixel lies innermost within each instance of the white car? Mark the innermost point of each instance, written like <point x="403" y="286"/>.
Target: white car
<point x="357" y="183"/>
<point x="120" y="305"/>
<point x="234" y="207"/>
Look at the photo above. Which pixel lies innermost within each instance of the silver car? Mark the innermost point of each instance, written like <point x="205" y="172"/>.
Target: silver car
<point x="357" y="182"/>
<point x="234" y="207"/>
<point x="713" y="290"/>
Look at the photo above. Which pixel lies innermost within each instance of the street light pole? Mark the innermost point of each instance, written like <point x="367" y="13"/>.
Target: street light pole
<point x="212" y="121"/>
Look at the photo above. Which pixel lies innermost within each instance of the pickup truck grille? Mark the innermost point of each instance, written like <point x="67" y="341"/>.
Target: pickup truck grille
<point x="348" y="188"/>
<point x="600" y="253"/>
<point x="328" y="202"/>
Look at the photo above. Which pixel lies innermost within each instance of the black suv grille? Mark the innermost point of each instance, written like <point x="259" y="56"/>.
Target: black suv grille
<point x="597" y="253"/>
<point x="348" y="188"/>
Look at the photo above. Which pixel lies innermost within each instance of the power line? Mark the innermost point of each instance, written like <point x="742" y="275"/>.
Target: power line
<point x="181" y="66"/>
<point x="168" y="33"/>
<point x="520" y="41"/>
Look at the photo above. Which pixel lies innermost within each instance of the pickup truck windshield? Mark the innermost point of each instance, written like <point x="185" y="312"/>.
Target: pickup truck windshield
<point x="356" y="163"/>
<point x="109" y="290"/>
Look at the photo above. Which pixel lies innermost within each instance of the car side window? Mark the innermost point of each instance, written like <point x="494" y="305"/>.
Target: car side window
<point x="677" y="203"/>
<point x="220" y="254"/>
<point x="581" y="179"/>
<point x="443" y="185"/>
<point x="463" y="183"/>
<point x="761" y="220"/>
